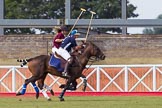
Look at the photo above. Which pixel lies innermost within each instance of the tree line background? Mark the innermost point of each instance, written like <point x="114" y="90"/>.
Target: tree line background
<point x="55" y="9"/>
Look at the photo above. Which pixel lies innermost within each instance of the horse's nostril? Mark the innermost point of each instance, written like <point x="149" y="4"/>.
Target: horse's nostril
<point x="101" y="56"/>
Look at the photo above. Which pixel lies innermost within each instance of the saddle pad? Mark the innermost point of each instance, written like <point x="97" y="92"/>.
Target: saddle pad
<point x="56" y="63"/>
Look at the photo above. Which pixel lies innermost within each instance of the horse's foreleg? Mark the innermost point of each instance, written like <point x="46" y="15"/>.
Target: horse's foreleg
<point x="49" y="89"/>
<point x="73" y="85"/>
<point x="27" y="81"/>
<point x="61" y="97"/>
<point x="44" y="92"/>
<point x="43" y="87"/>
<point x="84" y="82"/>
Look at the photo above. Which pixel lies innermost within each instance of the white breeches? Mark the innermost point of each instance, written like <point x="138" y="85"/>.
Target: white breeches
<point x="54" y="49"/>
<point x="63" y="53"/>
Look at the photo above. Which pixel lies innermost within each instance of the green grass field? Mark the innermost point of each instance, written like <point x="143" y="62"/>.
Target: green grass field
<point x="83" y="102"/>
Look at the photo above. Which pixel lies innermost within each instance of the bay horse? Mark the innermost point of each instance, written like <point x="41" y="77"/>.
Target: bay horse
<point x="39" y="67"/>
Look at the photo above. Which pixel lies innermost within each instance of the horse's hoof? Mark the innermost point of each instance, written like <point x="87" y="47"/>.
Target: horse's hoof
<point x="37" y="95"/>
<point x="62" y="99"/>
<point x="18" y="94"/>
<point x="52" y="93"/>
<point x="49" y="99"/>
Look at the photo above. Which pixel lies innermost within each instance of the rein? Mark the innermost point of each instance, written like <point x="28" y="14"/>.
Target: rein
<point x="92" y="60"/>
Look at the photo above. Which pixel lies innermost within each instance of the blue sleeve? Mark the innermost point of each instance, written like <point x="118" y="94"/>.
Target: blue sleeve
<point x="73" y="41"/>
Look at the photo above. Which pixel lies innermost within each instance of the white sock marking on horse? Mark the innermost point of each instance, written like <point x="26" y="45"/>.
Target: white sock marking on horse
<point x="47" y="87"/>
<point x="45" y="94"/>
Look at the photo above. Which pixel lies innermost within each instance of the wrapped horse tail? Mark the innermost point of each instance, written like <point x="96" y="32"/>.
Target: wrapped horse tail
<point x="24" y="61"/>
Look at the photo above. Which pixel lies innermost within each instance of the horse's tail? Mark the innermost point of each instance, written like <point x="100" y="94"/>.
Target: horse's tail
<point x="24" y="61"/>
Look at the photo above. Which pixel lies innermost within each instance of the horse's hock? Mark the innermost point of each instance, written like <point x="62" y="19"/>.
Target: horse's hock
<point x="20" y="46"/>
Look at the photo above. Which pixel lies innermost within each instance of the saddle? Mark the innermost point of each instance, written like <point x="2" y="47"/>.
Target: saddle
<point x="57" y="62"/>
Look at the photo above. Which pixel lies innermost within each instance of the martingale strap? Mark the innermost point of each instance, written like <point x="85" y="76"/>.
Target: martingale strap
<point x="92" y="60"/>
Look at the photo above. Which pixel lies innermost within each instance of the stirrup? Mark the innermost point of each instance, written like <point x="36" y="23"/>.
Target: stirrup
<point x="64" y="73"/>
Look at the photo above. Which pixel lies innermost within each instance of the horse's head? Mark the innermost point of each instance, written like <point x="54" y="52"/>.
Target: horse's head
<point x="93" y="50"/>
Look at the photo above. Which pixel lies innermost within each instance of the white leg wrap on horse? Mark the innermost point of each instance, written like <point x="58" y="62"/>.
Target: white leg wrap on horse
<point x="47" y="87"/>
<point x="45" y="94"/>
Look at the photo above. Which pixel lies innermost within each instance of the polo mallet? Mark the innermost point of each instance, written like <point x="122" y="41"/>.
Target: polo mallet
<point x="89" y="24"/>
<point x="82" y="10"/>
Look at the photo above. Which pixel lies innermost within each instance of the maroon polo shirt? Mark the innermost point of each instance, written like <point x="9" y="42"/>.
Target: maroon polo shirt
<point x="58" y="36"/>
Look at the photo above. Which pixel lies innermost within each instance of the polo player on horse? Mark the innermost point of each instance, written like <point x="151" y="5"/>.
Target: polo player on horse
<point x="67" y="45"/>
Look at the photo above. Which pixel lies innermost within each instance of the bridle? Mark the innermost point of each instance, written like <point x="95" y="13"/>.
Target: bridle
<point x="92" y="59"/>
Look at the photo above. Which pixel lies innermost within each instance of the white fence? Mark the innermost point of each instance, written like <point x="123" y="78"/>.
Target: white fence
<point x="124" y="78"/>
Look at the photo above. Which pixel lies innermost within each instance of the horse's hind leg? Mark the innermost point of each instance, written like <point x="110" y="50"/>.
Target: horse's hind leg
<point x="27" y="81"/>
<point x="44" y="85"/>
<point x="36" y="89"/>
<point x="49" y="89"/>
<point x="61" y="97"/>
<point x="22" y="92"/>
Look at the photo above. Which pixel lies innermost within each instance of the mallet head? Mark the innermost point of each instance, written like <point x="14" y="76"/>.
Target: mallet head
<point x="93" y="12"/>
<point x="82" y="9"/>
